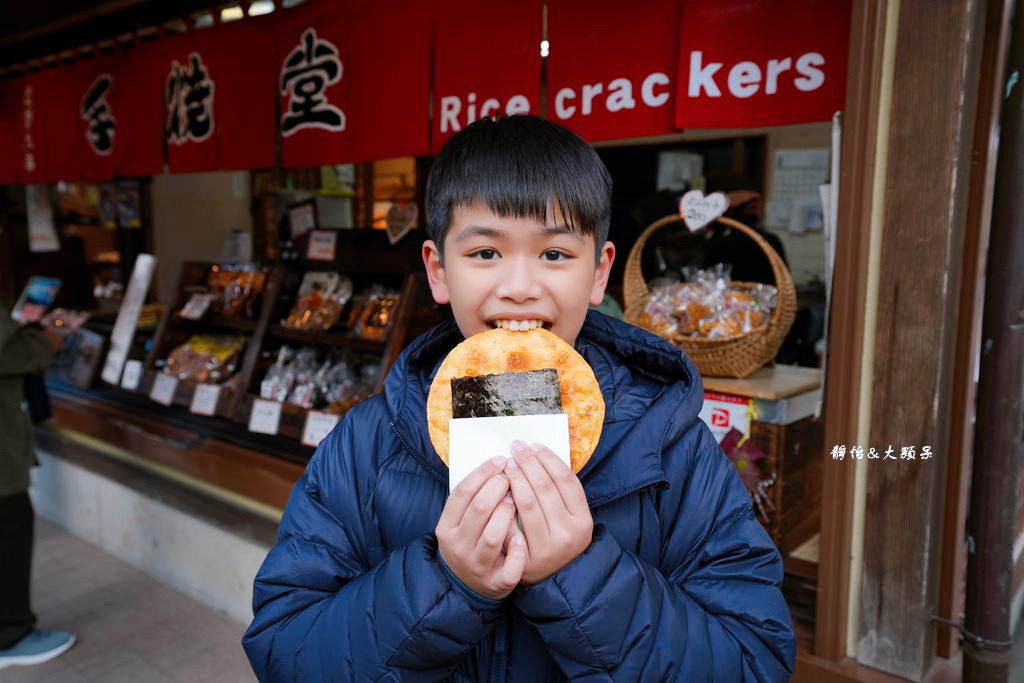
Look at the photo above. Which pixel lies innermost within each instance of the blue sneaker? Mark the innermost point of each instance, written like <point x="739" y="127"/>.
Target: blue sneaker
<point x="37" y="647"/>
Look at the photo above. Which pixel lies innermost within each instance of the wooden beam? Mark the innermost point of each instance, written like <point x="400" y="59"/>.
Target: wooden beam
<point x="952" y="575"/>
<point x="937" y="63"/>
<point x="856" y="171"/>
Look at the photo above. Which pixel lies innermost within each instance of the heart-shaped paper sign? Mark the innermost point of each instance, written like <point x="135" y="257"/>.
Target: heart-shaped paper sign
<point x="400" y="218"/>
<point x="697" y="210"/>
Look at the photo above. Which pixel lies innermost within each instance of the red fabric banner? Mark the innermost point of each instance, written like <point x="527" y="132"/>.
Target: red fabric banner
<point x="10" y="131"/>
<point x="486" y="62"/>
<point x="245" y="92"/>
<point x="31" y="94"/>
<point x="612" y="67"/>
<point x="191" y="77"/>
<point x="314" y="84"/>
<point x="748" y="63"/>
<point x="137" y="102"/>
<point x="389" y="111"/>
<point x="61" y="132"/>
<point x="97" y="122"/>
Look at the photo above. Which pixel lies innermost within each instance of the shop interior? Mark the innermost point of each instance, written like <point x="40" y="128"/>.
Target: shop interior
<point x="280" y="298"/>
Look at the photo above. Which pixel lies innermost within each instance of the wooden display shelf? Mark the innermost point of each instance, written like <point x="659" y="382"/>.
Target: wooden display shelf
<point x="783" y="426"/>
<point x="771" y="383"/>
<point x="185" y="391"/>
<point x="218" y="321"/>
<point x="327" y="339"/>
<point x="293" y="417"/>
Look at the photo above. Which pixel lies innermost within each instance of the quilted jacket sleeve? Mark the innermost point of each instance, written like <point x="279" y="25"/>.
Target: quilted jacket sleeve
<point x="23" y="350"/>
<point x="323" y="613"/>
<point x="711" y="611"/>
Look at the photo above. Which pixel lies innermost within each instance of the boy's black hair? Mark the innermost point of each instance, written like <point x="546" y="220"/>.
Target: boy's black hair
<point x="516" y="166"/>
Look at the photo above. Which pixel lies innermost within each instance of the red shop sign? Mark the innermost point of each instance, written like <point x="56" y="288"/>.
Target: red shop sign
<point x="486" y="62"/>
<point x="749" y="63"/>
<point x="314" y="85"/>
<point x="612" y="67"/>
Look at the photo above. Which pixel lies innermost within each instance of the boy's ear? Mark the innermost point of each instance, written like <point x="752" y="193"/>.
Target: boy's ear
<point x="604" y="268"/>
<point x="435" y="272"/>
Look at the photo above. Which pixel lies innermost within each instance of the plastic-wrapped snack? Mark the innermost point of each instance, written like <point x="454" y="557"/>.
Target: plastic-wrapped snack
<point x="206" y="358"/>
<point x="276" y="385"/>
<point x="235" y="288"/>
<point x="378" y="314"/>
<point x="320" y="301"/>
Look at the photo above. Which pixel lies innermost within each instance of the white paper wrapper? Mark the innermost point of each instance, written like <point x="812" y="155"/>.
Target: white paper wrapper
<point x="472" y="441"/>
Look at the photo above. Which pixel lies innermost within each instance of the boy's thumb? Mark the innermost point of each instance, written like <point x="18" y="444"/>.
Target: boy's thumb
<point x="515" y="560"/>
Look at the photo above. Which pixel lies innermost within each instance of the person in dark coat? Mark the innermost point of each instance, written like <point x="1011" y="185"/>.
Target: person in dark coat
<point x="648" y="566"/>
<point x="23" y="351"/>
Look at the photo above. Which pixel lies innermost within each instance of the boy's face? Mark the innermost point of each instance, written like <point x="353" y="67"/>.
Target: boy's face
<point x="498" y="269"/>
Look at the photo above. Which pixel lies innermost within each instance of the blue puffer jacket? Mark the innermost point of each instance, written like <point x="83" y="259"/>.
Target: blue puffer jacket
<point x="680" y="582"/>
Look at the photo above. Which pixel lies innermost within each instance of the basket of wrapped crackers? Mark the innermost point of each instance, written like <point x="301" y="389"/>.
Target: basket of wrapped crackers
<point x="727" y="328"/>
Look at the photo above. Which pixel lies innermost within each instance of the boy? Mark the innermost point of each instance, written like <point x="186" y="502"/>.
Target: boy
<point x="648" y="566"/>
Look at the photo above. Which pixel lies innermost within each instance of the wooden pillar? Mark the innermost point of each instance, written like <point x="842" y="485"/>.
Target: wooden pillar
<point x="999" y="431"/>
<point x="936" y="70"/>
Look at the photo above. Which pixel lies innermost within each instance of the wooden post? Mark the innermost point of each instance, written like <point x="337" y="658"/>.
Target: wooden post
<point x="999" y="429"/>
<point x="936" y="71"/>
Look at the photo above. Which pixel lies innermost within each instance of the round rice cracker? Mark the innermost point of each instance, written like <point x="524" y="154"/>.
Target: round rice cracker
<point x="499" y="351"/>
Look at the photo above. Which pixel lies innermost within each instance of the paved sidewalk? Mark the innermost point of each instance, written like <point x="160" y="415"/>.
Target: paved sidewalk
<point x="129" y="626"/>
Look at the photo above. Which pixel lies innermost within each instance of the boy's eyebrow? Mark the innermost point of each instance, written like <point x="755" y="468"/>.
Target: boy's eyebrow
<point x="478" y="230"/>
<point x="483" y="230"/>
<point x="562" y="229"/>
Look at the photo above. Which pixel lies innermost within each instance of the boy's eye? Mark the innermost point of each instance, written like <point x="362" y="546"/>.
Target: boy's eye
<point x="485" y="254"/>
<point x="552" y="255"/>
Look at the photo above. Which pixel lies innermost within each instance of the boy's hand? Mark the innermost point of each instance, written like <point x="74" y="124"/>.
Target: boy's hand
<point x="472" y="530"/>
<point x="552" y="507"/>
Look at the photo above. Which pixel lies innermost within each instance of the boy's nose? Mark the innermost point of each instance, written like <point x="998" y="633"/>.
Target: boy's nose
<point x="519" y="282"/>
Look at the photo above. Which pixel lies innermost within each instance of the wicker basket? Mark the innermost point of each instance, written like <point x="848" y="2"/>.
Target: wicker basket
<point x="737" y="356"/>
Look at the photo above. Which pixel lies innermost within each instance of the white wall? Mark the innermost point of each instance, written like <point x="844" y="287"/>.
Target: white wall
<point x="192" y="214"/>
<point x="185" y="552"/>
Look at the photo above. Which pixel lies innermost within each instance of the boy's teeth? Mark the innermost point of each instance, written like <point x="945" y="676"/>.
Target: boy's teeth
<point x="518" y="325"/>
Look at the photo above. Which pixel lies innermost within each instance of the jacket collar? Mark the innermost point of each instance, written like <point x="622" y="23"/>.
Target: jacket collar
<point x="642" y="378"/>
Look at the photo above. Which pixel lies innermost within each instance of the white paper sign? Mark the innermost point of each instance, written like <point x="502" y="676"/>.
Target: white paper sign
<point x="128" y="317"/>
<point x="795" y="176"/>
<point x="722" y="412"/>
<point x="698" y="210"/>
<point x="163" y="389"/>
<point x="318" y="425"/>
<point x="265" y="416"/>
<point x="42" y="235"/>
<point x="132" y="374"/>
<point x="204" y="401"/>
<point x="322" y="245"/>
<point x="472" y="441"/>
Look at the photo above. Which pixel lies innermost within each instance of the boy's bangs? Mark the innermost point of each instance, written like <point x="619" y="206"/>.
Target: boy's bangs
<point x="520" y="167"/>
<point x="530" y="188"/>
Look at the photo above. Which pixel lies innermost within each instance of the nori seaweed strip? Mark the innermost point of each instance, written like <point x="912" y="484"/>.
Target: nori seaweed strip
<point x="535" y="392"/>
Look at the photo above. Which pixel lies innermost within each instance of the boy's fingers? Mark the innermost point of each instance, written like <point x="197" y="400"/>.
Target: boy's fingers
<point x="565" y="480"/>
<point x="543" y="487"/>
<point x="530" y="512"/>
<point x="514" y="563"/>
<point x="480" y="509"/>
<point x="467" y="489"/>
<point x="513" y="529"/>
<point x="493" y="536"/>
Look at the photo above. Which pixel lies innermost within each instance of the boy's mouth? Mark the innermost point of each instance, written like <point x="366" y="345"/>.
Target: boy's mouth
<point x="519" y="325"/>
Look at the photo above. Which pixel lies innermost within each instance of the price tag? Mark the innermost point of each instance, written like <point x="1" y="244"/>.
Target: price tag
<point x="322" y="245"/>
<point x="197" y="306"/>
<point x="132" y="374"/>
<point x="163" y="389"/>
<point x="204" y="401"/>
<point x="318" y="425"/>
<point x="265" y="416"/>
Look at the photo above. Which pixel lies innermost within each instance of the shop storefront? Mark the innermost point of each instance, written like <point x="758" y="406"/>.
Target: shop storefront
<point x="240" y="206"/>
